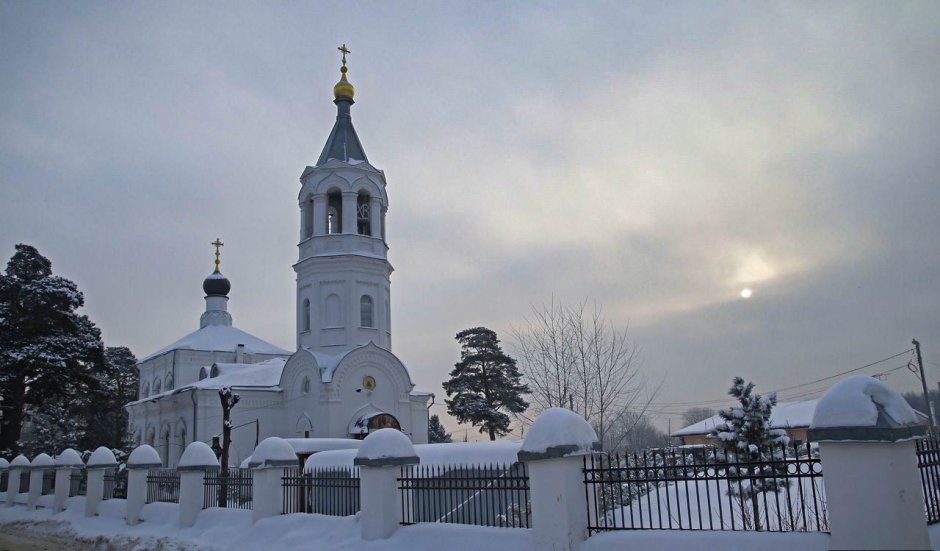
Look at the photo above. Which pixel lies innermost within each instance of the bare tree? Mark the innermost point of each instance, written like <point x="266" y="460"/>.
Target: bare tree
<point x="696" y="414"/>
<point x="574" y="357"/>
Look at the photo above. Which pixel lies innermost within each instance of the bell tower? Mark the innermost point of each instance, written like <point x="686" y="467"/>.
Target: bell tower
<point x="343" y="273"/>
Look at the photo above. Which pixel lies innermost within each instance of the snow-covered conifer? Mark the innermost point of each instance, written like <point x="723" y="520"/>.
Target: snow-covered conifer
<point x="49" y="354"/>
<point x="436" y="432"/>
<point x="485" y="383"/>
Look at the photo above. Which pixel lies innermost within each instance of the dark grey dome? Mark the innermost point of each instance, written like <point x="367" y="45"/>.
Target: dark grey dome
<point x="216" y="284"/>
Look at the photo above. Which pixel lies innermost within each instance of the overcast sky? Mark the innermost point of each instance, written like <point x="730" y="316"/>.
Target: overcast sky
<point x="655" y="157"/>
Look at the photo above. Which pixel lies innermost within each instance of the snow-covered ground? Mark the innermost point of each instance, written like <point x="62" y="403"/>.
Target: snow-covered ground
<point x="228" y="529"/>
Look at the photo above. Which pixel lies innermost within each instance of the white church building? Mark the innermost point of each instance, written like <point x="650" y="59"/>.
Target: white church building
<point x="343" y="380"/>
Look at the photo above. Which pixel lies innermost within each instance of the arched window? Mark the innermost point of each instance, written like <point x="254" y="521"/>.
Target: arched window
<point x="168" y="385"/>
<point x="215" y="371"/>
<point x="305" y="315"/>
<point x="146" y="391"/>
<point x="334" y="208"/>
<point x="334" y="311"/>
<point x="363" y="214"/>
<point x="203" y="373"/>
<point x="365" y="311"/>
<point x="305" y="386"/>
<point x="156" y="386"/>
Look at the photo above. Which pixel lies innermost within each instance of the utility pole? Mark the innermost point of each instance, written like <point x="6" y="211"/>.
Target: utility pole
<point x="923" y="382"/>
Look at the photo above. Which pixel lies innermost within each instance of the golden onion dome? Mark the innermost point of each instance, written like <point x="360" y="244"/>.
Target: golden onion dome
<point x="343" y="88"/>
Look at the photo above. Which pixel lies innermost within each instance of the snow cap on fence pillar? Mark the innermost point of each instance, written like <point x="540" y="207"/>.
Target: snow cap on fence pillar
<point x="42" y="461"/>
<point x="102" y="458"/>
<point x="386" y="447"/>
<point x="20" y="462"/>
<point x="4" y="464"/>
<point x="273" y="452"/>
<point x="558" y="432"/>
<point x="863" y="409"/>
<point x="69" y="458"/>
<point x="144" y="457"/>
<point x="198" y="456"/>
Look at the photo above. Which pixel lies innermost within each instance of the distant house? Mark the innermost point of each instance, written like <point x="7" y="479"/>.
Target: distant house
<point x="793" y="417"/>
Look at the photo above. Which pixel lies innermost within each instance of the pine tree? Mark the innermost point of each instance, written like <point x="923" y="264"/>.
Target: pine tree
<point x="485" y="383"/>
<point x="48" y="353"/>
<point x="746" y="436"/>
<point x="106" y="417"/>
<point x="436" y="432"/>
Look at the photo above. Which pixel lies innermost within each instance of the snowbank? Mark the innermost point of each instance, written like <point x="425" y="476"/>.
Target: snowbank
<point x="43" y="461"/>
<point x="669" y="540"/>
<point x="857" y="401"/>
<point x="198" y="454"/>
<point x="385" y="444"/>
<point x="457" y="453"/>
<point x="315" y="445"/>
<point x="561" y="429"/>
<point x="273" y="452"/>
<point x="144" y="456"/>
<point x="69" y="458"/>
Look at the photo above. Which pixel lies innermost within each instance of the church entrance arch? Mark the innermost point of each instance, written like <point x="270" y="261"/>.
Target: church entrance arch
<point x="375" y="421"/>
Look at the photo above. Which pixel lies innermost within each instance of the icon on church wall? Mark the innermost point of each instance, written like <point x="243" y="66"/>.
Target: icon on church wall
<point x="368" y="383"/>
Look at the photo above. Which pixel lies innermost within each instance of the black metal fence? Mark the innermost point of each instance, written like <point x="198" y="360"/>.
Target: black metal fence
<point x="78" y="482"/>
<point x="482" y="495"/>
<point x="232" y="490"/>
<point x="115" y="484"/>
<point x="4" y="480"/>
<point x="675" y="489"/>
<point x="48" y="481"/>
<point x="24" y="480"/>
<point x="928" y="463"/>
<point x="327" y="491"/>
<point x="163" y="485"/>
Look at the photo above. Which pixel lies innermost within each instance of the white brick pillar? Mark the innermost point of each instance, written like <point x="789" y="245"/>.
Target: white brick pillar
<point x="17" y="466"/>
<point x="553" y="450"/>
<point x="197" y="460"/>
<point x="141" y="460"/>
<point x="267" y="463"/>
<point x="101" y="460"/>
<point x="41" y="463"/>
<point x="866" y="435"/>
<point x="66" y="463"/>
<point x="380" y="459"/>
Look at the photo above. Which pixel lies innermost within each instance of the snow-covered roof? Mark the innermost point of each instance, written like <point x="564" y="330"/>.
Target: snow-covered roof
<point x="784" y="415"/>
<point x="220" y="338"/>
<point x="261" y="374"/>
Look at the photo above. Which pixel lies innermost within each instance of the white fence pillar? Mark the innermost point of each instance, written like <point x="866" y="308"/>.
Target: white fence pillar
<point x="66" y="463"/>
<point x="873" y="487"/>
<point x="100" y="460"/>
<point x="5" y="472"/>
<point x="141" y="460"/>
<point x="37" y="470"/>
<point x="17" y="466"/>
<point x="553" y="450"/>
<point x="197" y="460"/>
<point x="267" y="468"/>
<point x="380" y="459"/>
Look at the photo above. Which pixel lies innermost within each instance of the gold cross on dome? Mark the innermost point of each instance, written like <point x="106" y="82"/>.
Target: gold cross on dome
<point x="345" y="51"/>
<point x="218" y="245"/>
